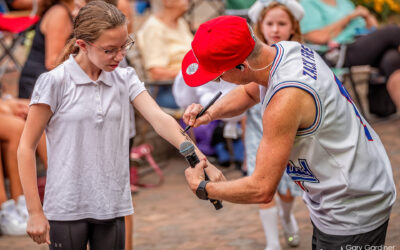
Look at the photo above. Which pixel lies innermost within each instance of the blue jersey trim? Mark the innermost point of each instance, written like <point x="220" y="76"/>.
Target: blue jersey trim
<point x="280" y="51"/>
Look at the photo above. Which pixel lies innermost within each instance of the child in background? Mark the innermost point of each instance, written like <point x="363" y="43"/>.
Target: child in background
<point x="274" y="21"/>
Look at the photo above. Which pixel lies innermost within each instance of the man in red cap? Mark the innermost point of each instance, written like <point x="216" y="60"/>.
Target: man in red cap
<point x="312" y="130"/>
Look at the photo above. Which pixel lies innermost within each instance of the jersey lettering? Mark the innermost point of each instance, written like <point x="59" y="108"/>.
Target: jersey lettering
<point x="309" y="66"/>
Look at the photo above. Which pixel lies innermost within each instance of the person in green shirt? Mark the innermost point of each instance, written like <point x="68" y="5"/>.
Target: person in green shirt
<point x="333" y="22"/>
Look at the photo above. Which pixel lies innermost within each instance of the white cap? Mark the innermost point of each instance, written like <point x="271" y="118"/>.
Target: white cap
<point x="294" y="7"/>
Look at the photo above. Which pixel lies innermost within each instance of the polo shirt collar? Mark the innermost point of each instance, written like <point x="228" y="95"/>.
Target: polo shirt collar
<point x="79" y="76"/>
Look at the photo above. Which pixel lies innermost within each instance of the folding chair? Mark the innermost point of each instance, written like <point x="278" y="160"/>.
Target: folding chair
<point x="14" y="28"/>
<point x="348" y="74"/>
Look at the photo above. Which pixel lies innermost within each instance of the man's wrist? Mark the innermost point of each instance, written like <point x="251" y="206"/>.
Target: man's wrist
<point x="201" y="191"/>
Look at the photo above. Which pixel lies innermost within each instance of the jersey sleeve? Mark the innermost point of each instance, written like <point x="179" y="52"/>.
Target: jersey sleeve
<point x="134" y="84"/>
<point x="46" y="91"/>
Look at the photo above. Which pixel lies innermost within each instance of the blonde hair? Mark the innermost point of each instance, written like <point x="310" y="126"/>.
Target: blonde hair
<point x="296" y="25"/>
<point x="89" y="24"/>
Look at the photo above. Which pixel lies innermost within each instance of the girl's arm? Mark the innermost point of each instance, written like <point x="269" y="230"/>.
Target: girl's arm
<point x="38" y="116"/>
<point x="169" y="129"/>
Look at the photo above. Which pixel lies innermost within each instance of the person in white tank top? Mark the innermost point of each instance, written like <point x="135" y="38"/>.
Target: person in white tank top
<point x="312" y="130"/>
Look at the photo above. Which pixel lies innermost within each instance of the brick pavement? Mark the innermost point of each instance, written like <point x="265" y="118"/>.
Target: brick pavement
<point x="170" y="217"/>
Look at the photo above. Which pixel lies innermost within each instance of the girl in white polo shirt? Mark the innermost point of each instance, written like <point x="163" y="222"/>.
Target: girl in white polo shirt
<point x="83" y="105"/>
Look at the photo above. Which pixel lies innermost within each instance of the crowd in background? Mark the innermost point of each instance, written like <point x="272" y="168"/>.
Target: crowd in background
<point x="162" y="41"/>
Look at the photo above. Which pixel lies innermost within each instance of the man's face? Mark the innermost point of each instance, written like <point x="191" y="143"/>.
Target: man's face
<point x="236" y="76"/>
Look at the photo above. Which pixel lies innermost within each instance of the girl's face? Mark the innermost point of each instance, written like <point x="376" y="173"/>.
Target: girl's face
<point x="276" y="26"/>
<point x="110" y="48"/>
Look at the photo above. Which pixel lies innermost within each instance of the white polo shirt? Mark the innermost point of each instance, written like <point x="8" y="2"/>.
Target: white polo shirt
<point x="87" y="141"/>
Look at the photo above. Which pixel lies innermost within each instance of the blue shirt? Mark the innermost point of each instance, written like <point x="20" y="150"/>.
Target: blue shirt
<point x="318" y="15"/>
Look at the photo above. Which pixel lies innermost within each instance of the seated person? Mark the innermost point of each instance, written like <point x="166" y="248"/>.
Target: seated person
<point x="339" y="21"/>
<point x="163" y="41"/>
<point x="51" y="35"/>
<point x="11" y="221"/>
<point x="13" y="212"/>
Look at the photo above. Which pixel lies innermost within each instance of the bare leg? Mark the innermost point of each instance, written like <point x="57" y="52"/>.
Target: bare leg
<point x="128" y="232"/>
<point x="393" y="87"/>
<point x="10" y="132"/>
<point x="3" y="195"/>
<point x="286" y="197"/>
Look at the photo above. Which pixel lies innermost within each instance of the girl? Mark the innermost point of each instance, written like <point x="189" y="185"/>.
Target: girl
<point x="274" y="21"/>
<point x="84" y="106"/>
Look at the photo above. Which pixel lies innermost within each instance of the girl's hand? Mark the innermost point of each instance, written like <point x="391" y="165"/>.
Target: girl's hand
<point x="38" y="228"/>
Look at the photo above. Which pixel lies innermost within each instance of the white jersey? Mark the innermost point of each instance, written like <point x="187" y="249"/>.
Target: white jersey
<point x="339" y="161"/>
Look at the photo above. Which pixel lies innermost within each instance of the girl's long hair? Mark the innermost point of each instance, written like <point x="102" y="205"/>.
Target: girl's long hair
<point x="89" y="24"/>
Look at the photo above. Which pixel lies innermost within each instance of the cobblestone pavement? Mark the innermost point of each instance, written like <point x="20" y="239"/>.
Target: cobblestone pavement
<point x="170" y="217"/>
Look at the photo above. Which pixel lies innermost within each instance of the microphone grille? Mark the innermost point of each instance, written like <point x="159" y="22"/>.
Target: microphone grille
<point x="186" y="148"/>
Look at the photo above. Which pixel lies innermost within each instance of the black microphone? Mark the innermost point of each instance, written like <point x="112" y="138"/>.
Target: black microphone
<point x="187" y="150"/>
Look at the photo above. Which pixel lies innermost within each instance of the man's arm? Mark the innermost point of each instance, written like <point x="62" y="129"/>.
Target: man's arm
<point x="232" y="104"/>
<point x="289" y="110"/>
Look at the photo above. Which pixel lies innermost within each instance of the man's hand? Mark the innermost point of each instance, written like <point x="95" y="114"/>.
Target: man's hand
<point x="189" y="117"/>
<point x="195" y="175"/>
<point x="214" y="173"/>
<point x="38" y="228"/>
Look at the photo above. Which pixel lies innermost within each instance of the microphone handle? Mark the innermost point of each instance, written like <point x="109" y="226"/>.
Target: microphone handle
<point x="193" y="160"/>
<point x="217" y="204"/>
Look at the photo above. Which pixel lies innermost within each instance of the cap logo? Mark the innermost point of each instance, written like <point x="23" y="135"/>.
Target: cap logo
<point x="192" y="68"/>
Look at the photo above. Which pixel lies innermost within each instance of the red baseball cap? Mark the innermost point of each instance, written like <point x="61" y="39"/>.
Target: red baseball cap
<point x="219" y="45"/>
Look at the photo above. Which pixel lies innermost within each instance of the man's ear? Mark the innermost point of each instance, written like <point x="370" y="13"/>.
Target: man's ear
<point x="240" y="67"/>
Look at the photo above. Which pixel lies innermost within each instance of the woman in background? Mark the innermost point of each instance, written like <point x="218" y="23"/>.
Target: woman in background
<point x="51" y="35"/>
<point x="329" y="22"/>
